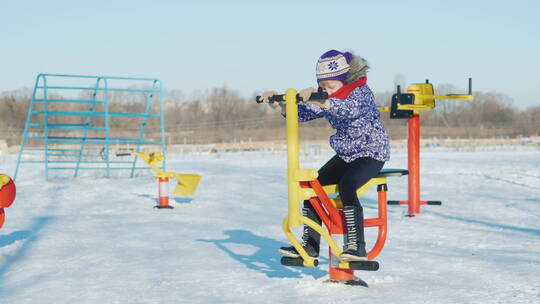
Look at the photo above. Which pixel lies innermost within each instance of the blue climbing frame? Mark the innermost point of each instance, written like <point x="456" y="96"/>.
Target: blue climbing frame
<point x="85" y="144"/>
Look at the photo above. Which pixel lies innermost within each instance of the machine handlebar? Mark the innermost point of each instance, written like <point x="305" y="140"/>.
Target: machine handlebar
<point x="281" y="97"/>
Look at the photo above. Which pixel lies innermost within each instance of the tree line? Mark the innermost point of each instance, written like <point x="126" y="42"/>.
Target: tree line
<point x="222" y="115"/>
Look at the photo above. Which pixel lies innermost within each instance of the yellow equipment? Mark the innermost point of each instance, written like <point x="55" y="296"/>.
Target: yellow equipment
<point x="303" y="185"/>
<point x="187" y="183"/>
<point x="419" y="97"/>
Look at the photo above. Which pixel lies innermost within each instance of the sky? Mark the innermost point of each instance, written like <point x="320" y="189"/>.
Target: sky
<point x="253" y="46"/>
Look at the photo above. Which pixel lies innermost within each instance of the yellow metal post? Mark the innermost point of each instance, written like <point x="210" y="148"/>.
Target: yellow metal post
<point x="293" y="158"/>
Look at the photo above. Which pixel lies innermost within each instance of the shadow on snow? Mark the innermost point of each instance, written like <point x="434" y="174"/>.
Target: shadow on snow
<point x="488" y="224"/>
<point x="29" y="237"/>
<point x="265" y="259"/>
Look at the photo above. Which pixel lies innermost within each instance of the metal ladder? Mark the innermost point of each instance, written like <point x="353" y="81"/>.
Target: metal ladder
<point x="76" y="146"/>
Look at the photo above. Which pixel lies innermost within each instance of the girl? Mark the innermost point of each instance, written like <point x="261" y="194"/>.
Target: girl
<point x="361" y="145"/>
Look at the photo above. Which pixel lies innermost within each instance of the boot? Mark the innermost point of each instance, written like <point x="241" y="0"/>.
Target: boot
<point x="310" y="238"/>
<point x="355" y="248"/>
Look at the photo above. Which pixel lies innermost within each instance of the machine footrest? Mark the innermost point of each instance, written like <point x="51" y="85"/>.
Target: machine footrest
<point x="364" y="265"/>
<point x="287" y="261"/>
<point x="438" y="203"/>
<point x="392" y="202"/>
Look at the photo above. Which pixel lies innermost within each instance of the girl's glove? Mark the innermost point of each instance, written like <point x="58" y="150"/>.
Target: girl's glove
<point x="265" y="97"/>
<point x="276" y="106"/>
<point x="305" y="94"/>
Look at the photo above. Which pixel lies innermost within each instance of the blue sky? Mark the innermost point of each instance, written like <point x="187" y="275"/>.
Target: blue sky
<point x="252" y="46"/>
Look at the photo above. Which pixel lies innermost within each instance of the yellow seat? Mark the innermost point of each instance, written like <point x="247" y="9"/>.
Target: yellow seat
<point x="378" y="180"/>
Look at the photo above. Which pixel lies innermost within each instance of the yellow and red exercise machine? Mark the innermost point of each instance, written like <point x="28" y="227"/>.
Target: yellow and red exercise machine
<point x="7" y="195"/>
<point x="303" y="185"/>
<point x="419" y="97"/>
<point x="186" y="183"/>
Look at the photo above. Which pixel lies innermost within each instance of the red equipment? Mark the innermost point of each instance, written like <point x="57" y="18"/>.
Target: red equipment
<point x="413" y="155"/>
<point x="7" y="195"/>
<point x="329" y="210"/>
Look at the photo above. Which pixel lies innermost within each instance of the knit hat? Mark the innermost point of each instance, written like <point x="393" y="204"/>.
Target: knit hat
<point x="333" y="65"/>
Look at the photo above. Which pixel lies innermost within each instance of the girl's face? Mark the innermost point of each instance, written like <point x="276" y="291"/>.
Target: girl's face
<point x="331" y="86"/>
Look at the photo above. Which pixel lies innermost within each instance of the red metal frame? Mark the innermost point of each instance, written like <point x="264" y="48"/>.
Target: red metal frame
<point x="413" y="153"/>
<point x="333" y="219"/>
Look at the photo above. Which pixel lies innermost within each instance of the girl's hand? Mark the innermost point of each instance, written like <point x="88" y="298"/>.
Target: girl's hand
<point x="276" y="106"/>
<point x="265" y="97"/>
<point x="306" y="93"/>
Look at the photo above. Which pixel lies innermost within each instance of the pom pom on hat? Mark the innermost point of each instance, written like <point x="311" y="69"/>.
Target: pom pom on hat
<point x="333" y="65"/>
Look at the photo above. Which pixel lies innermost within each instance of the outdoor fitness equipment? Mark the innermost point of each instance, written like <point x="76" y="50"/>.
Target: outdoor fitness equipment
<point x="186" y="183"/>
<point x="70" y="122"/>
<point x="419" y="97"/>
<point x="7" y="195"/>
<point x="303" y="185"/>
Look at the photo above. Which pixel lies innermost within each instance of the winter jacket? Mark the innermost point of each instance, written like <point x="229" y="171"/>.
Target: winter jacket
<point x="359" y="130"/>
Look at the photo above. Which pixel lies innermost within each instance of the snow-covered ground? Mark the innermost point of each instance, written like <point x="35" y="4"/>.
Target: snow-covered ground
<point x="93" y="240"/>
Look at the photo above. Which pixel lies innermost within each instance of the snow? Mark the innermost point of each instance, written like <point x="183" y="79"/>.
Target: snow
<point x="96" y="240"/>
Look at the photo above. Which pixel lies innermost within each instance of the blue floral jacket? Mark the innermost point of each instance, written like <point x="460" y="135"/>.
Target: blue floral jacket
<point x="359" y="130"/>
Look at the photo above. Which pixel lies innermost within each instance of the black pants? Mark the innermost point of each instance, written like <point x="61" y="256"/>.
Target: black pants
<point x="348" y="176"/>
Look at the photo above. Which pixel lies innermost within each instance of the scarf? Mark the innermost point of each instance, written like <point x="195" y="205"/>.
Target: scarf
<point x="345" y="90"/>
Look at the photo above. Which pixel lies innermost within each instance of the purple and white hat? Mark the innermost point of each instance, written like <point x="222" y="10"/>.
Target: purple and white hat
<point x="333" y="65"/>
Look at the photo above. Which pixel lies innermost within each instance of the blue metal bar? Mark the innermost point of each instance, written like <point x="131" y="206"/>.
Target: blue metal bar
<point x="82" y="138"/>
<point x="115" y="114"/>
<point x="71" y="100"/>
<point x="32" y="161"/>
<point x="46" y="129"/>
<point x="108" y="89"/>
<point x="63" y="154"/>
<point x="75" y="162"/>
<point x="107" y="128"/>
<point x="26" y="126"/>
<point x="87" y="123"/>
<point x="96" y="168"/>
<point x="101" y="142"/>
<point x="67" y="126"/>
<point x="148" y="107"/>
<point x="104" y="77"/>
<point x="41" y="149"/>
<point x="76" y="155"/>
<point x="162" y="123"/>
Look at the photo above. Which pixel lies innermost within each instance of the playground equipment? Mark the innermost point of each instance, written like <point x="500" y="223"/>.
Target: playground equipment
<point x="7" y="195"/>
<point x="303" y="185"/>
<point x="186" y="183"/>
<point x="71" y="123"/>
<point x="419" y="97"/>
